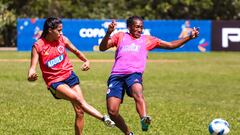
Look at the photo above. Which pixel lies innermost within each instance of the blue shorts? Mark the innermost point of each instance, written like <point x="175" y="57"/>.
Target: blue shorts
<point x="118" y="84"/>
<point x="70" y="81"/>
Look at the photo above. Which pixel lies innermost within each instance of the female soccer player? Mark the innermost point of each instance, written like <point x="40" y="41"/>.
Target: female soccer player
<point x="130" y="61"/>
<point x="57" y="71"/>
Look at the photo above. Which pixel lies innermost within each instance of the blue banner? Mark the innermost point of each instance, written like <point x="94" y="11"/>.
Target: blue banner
<point x="87" y="34"/>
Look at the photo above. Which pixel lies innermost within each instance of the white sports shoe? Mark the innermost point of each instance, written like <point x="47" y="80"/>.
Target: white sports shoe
<point x="131" y="133"/>
<point x="108" y="122"/>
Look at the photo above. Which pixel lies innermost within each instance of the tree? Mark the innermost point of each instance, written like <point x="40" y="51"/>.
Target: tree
<point x="7" y="26"/>
<point x="108" y="9"/>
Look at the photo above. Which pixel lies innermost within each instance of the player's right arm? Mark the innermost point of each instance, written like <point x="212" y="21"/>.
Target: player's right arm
<point x="106" y="43"/>
<point x="32" y="75"/>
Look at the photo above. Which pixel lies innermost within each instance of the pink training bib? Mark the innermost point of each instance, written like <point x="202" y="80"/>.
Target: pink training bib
<point x="131" y="55"/>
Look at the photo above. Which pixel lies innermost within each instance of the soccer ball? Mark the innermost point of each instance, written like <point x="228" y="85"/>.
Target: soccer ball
<point x="219" y="127"/>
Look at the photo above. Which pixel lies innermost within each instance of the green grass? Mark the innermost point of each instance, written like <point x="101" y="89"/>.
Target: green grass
<point x="183" y="96"/>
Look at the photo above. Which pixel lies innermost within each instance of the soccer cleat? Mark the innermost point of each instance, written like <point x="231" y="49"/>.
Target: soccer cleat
<point x="108" y="122"/>
<point x="131" y="133"/>
<point x="145" y="122"/>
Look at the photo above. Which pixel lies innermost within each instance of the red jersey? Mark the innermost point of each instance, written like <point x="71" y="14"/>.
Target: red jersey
<point x="151" y="41"/>
<point x="54" y="62"/>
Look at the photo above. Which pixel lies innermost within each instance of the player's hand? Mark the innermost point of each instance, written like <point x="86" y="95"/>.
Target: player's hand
<point x="112" y="26"/>
<point x="195" y="32"/>
<point x="32" y="75"/>
<point x="85" y="66"/>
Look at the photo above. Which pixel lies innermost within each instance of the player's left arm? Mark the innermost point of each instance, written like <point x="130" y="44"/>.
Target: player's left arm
<point x="177" y="43"/>
<point x="86" y="65"/>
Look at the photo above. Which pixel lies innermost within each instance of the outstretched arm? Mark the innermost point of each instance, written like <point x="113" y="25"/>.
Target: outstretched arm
<point x="86" y="65"/>
<point x="106" y="43"/>
<point x="32" y="75"/>
<point x="177" y="43"/>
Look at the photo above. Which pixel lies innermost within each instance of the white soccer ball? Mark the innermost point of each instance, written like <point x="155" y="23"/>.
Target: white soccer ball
<point x="219" y="127"/>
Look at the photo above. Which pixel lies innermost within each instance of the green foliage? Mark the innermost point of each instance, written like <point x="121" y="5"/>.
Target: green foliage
<point x="112" y="9"/>
<point x="183" y="91"/>
<point x="121" y="9"/>
<point x="7" y="17"/>
<point x="7" y="24"/>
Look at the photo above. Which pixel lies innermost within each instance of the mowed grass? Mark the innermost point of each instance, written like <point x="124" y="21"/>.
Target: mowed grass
<point x="183" y="91"/>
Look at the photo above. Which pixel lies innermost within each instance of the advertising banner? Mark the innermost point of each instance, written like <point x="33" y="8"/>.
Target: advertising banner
<point x="87" y="34"/>
<point x="226" y="35"/>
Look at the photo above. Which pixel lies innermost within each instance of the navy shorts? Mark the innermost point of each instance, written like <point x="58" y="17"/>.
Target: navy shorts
<point x="70" y="81"/>
<point x="118" y="84"/>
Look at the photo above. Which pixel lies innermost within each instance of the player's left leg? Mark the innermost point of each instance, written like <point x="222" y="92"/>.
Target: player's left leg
<point x="79" y="119"/>
<point x="137" y="94"/>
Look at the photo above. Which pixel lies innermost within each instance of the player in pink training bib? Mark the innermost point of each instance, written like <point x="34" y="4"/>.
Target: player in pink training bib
<point x="129" y="65"/>
<point x="57" y="71"/>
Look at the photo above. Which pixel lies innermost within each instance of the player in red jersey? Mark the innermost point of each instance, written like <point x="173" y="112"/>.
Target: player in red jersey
<point x="57" y="71"/>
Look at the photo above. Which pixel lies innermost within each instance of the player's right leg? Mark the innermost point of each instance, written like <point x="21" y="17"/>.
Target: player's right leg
<point x="91" y="110"/>
<point x="115" y="96"/>
<point x="113" y="105"/>
<point x="75" y="95"/>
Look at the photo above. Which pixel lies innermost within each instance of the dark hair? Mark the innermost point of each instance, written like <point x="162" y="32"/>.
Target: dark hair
<point x="131" y="19"/>
<point x="51" y="22"/>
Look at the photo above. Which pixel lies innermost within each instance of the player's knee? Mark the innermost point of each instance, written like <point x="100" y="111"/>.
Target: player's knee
<point x="77" y="100"/>
<point x="113" y="112"/>
<point x="79" y="113"/>
<point x="138" y="95"/>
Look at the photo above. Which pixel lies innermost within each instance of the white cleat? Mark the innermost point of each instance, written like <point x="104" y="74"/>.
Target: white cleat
<point x="108" y="122"/>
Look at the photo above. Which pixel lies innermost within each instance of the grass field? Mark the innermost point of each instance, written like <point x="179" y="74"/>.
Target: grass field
<point x="184" y="92"/>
